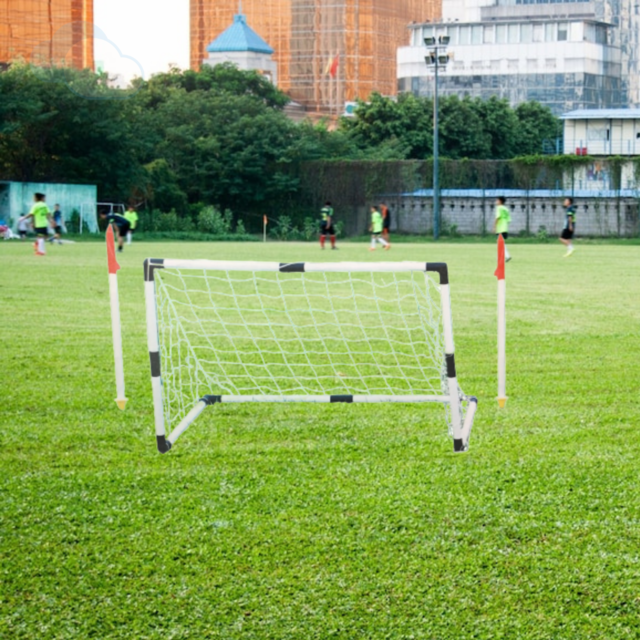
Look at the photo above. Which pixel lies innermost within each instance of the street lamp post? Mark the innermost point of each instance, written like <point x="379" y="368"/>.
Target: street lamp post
<point x="436" y="58"/>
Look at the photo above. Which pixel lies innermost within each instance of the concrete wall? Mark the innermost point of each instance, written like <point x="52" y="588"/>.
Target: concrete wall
<point x="595" y="216"/>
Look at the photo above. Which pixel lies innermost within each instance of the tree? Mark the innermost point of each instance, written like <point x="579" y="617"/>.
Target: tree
<point x="536" y="123"/>
<point x="65" y="125"/>
<point x="462" y="133"/>
<point x="500" y="124"/>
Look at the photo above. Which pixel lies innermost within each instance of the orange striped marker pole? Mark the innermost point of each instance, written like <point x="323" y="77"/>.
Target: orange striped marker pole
<point x="502" y="326"/>
<point x="113" y="266"/>
<point x="264" y="228"/>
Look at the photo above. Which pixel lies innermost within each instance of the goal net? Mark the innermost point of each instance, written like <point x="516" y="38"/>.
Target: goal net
<point x="226" y="331"/>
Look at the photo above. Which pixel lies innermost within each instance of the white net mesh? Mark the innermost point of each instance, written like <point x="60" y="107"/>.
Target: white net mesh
<point x="268" y="333"/>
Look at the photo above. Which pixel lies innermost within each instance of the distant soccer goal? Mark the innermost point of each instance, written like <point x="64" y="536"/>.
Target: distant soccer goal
<point x="232" y="332"/>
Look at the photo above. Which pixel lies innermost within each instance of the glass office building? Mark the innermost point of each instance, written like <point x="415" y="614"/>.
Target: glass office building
<point x="566" y="55"/>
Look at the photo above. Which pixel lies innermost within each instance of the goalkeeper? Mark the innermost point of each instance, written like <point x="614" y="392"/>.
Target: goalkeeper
<point x="375" y="228"/>
<point x="121" y="224"/>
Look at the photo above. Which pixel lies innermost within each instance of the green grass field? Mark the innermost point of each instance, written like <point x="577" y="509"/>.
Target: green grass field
<point x="304" y="521"/>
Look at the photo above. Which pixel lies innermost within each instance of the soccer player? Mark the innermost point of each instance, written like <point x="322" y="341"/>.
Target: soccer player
<point x="131" y="215"/>
<point x="376" y="230"/>
<point x="57" y="225"/>
<point x="386" y="221"/>
<point x="23" y="226"/>
<point x="569" y="226"/>
<point x="121" y="224"/>
<point x="41" y="217"/>
<point x="501" y="223"/>
<point x="326" y="225"/>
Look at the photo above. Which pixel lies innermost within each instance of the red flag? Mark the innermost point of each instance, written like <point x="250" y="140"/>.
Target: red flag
<point x="333" y="70"/>
<point x="499" y="272"/>
<point x="112" y="263"/>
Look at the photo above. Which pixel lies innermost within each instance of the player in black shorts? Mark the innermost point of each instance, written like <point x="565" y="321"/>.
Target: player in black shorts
<point x="386" y="221"/>
<point x="121" y="224"/>
<point x="566" y="237"/>
<point x="326" y="226"/>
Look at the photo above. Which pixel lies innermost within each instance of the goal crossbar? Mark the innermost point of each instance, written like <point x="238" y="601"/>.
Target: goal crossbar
<point x="461" y="422"/>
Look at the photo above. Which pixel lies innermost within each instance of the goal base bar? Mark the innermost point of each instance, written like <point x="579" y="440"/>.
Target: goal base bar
<point x="459" y="444"/>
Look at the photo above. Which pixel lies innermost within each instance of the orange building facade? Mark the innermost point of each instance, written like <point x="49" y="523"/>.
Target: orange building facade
<point x="308" y="35"/>
<point x="47" y="32"/>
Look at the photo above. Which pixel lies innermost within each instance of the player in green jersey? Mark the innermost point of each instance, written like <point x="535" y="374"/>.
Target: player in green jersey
<point x="131" y="215"/>
<point x="501" y="223"/>
<point x="42" y="219"/>
<point x="375" y="228"/>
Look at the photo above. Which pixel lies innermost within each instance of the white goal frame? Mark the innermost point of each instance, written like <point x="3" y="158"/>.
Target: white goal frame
<point x="460" y="424"/>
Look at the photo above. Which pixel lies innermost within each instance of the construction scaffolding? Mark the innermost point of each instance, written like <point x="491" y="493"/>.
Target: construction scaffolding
<point x="47" y="32"/>
<point x="329" y="52"/>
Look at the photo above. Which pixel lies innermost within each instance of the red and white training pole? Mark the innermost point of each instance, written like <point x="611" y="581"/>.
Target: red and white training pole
<point x="502" y="326"/>
<point x="113" y="265"/>
<point x="264" y="228"/>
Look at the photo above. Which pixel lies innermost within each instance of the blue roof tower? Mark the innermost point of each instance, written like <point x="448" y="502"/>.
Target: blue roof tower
<point x="240" y="45"/>
<point x="239" y="37"/>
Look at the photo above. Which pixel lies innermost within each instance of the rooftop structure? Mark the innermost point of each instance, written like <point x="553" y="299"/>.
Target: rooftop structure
<point x="242" y="46"/>
<point x="239" y="37"/>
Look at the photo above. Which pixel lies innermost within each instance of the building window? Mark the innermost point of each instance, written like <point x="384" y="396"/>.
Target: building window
<point x="550" y="31"/>
<point x="550" y="63"/>
<point x="488" y="35"/>
<point x="601" y="34"/>
<point x="526" y="33"/>
<point x="501" y="33"/>
<point x="476" y="34"/>
<point x="538" y="32"/>
<point x="563" y="29"/>
<point x="465" y="35"/>
<point x="599" y="135"/>
<point x="452" y="32"/>
<point x="513" y="65"/>
<point x="514" y="33"/>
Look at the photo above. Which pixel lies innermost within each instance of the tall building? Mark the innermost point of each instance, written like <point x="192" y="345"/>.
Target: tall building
<point x="328" y="52"/>
<point x="580" y="54"/>
<point x="47" y="32"/>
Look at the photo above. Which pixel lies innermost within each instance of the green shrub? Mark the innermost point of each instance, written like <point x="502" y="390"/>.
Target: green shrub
<point x="310" y="229"/>
<point x="211" y="220"/>
<point x="73" y="222"/>
<point x="542" y="235"/>
<point x="167" y="221"/>
<point x="284" y="229"/>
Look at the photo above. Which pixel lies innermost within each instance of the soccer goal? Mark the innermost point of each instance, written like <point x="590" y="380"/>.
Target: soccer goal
<point x="232" y="332"/>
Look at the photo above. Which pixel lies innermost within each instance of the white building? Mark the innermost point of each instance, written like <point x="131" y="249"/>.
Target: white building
<point x="565" y="55"/>
<point x="602" y="132"/>
<point x="242" y="46"/>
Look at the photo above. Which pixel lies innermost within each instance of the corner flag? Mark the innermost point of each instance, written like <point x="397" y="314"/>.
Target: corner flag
<point x="502" y="325"/>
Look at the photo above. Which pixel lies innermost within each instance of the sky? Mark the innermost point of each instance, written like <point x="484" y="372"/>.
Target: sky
<point x="140" y="37"/>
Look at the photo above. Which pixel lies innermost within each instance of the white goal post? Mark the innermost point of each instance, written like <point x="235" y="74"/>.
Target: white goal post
<point x="336" y="332"/>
